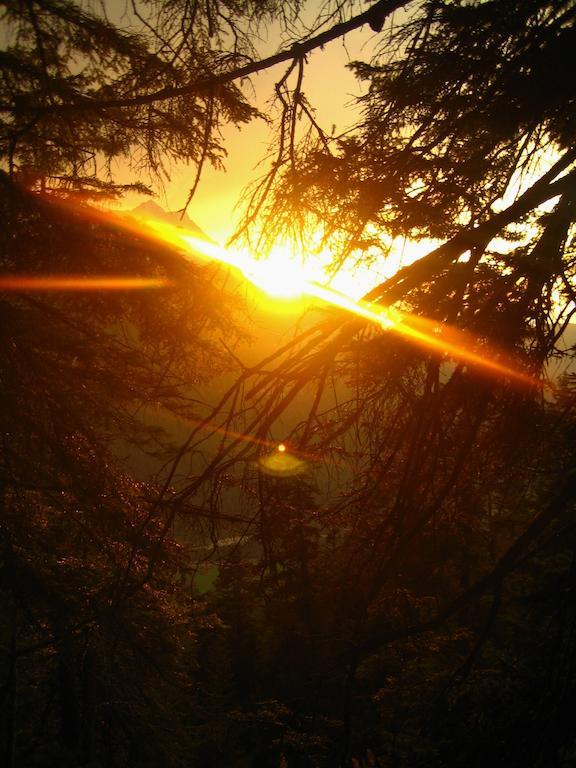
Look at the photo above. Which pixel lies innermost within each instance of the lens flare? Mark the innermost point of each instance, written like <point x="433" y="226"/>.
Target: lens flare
<point x="281" y="463"/>
<point x="82" y="283"/>
<point x="268" y="275"/>
<point x="287" y="278"/>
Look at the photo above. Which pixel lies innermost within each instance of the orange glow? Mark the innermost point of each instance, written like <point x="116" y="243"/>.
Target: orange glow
<point x="281" y="464"/>
<point x="281" y="275"/>
<point x="277" y="461"/>
<point x="454" y="343"/>
<point x="439" y="338"/>
<point x="24" y="283"/>
<point x="211" y="428"/>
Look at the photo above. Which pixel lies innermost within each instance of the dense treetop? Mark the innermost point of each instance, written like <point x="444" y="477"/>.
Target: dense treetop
<point x="408" y="601"/>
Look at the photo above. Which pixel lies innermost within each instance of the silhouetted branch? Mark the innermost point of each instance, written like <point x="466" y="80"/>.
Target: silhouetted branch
<point x="297" y="51"/>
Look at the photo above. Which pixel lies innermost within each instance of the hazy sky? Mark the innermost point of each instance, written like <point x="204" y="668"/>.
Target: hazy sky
<point x="329" y="87"/>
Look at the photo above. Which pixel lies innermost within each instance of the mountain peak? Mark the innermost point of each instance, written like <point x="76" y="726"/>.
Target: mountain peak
<point x="152" y="210"/>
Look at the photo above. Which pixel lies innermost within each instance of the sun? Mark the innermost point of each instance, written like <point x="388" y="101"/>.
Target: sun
<point x="281" y="273"/>
<point x="285" y="272"/>
<point x="281" y="279"/>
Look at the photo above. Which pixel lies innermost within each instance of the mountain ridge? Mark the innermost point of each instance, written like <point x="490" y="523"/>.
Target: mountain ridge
<point x="151" y="209"/>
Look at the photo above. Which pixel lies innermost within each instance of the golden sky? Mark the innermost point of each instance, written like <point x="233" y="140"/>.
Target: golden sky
<point x="328" y="86"/>
<point x="331" y="89"/>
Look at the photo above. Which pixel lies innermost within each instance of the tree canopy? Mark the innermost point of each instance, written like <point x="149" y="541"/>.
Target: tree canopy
<point x="407" y="601"/>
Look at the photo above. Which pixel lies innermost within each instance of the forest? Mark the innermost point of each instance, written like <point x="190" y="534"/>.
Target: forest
<point x="339" y="533"/>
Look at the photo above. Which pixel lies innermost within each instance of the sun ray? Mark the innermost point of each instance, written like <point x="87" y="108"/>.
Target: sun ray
<point x="439" y="338"/>
<point x="82" y="283"/>
<point x="284" y="277"/>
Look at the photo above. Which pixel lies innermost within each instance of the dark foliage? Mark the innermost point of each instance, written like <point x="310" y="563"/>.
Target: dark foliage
<point x="414" y="604"/>
<point x="445" y="564"/>
<point x="98" y="638"/>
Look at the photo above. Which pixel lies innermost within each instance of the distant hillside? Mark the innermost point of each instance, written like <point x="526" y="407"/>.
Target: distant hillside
<point x="569" y="336"/>
<point x="559" y="367"/>
<point x="152" y="210"/>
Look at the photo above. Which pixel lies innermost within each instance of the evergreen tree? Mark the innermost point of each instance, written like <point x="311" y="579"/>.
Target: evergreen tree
<point x="97" y="639"/>
<point x="441" y="578"/>
<point x="463" y="483"/>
